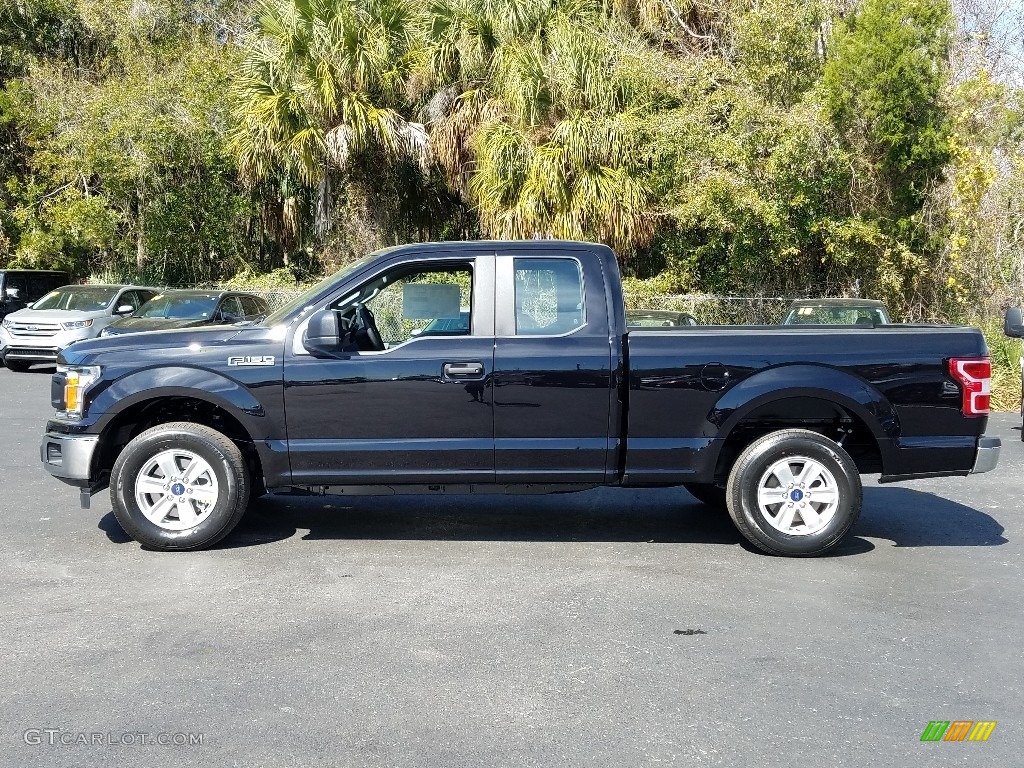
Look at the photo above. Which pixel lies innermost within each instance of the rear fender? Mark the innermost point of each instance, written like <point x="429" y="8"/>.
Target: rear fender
<point x="831" y="385"/>
<point x="815" y="381"/>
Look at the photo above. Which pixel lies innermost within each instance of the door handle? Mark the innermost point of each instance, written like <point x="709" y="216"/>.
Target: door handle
<point x="463" y="370"/>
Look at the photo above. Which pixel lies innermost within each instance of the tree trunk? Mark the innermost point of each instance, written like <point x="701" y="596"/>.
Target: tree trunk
<point x="140" y="239"/>
<point x="324" y="205"/>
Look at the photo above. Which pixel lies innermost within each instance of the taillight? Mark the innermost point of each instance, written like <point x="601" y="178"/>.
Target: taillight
<point x="974" y="375"/>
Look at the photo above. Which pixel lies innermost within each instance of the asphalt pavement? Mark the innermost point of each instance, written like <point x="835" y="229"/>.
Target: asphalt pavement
<point x="607" y="628"/>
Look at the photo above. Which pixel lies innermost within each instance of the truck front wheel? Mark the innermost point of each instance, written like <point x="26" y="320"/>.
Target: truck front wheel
<point x="179" y="486"/>
<point x="794" y="492"/>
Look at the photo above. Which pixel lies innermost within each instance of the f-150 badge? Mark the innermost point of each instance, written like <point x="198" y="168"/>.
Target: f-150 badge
<point x="251" y="360"/>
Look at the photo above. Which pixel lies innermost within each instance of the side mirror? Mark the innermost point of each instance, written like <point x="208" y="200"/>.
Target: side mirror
<point x="30" y="305"/>
<point x="323" y="334"/>
<point x="1013" y="323"/>
<point x="124" y="309"/>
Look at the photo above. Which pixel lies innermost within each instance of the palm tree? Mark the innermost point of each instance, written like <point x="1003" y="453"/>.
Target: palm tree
<point x="534" y="115"/>
<point x="321" y="81"/>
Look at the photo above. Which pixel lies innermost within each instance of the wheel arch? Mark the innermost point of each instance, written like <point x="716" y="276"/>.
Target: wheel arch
<point x="149" y="410"/>
<point x="838" y="405"/>
<point x="186" y="382"/>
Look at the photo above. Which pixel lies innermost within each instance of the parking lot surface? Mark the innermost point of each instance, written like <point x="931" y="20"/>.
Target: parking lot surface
<point x="607" y="628"/>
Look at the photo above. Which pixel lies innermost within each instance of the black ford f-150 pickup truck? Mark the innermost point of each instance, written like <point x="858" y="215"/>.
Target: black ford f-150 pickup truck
<point x="507" y="367"/>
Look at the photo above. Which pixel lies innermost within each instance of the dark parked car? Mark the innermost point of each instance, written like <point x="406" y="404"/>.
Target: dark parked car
<point x="544" y="391"/>
<point x="188" y="309"/>
<point x="658" y="318"/>
<point x="21" y="287"/>
<point x="837" y="312"/>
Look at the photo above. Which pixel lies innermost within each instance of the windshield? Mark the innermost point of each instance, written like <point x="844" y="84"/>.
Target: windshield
<point x="177" y="307"/>
<point x="281" y="313"/>
<point x="79" y="298"/>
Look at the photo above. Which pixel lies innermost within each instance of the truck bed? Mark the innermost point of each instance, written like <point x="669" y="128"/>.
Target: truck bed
<point x="687" y="386"/>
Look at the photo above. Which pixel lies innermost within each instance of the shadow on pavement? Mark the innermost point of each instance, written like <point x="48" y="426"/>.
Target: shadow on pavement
<point x="109" y="525"/>
<point x="907" y="517"/>
<point x="911" y="518"/>
<point x="566" y="518"/>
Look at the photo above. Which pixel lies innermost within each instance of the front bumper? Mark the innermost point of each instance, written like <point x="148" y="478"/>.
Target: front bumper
<point x="988" y="454"/>
<point x="68" y="457"/>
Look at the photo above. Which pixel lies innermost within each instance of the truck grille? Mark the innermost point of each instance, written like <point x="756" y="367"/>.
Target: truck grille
<point x="33" y="330"/>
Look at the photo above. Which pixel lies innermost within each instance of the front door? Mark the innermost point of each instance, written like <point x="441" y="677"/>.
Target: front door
<point x="420" y="409"/>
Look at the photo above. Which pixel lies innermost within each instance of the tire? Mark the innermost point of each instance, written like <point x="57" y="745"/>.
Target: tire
<point x="779" y="527"/>
<point x="18" y="366"/>
<point x="706" y="493"/>
<point x="185" y="512"/>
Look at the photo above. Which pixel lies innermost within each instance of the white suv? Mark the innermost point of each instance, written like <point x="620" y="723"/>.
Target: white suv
<point x="39" y="332"/>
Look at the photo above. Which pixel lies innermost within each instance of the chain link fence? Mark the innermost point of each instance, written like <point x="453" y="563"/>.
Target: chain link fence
<point x="276" y="297"/>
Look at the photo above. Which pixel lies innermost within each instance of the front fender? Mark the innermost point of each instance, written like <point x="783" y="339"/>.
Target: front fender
<point x="814" y="381"/>
<point x="183" y="381"/>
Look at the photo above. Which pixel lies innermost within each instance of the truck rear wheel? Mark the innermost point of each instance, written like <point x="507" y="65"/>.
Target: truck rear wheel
<point x="794" y="492"/>
<point x="179" y="486"/>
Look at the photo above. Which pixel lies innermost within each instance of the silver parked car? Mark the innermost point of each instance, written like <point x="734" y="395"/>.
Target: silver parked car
<point x="38" y="333"/>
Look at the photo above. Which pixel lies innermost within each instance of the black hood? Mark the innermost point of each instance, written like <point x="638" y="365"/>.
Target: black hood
<point x="175" y="342"/>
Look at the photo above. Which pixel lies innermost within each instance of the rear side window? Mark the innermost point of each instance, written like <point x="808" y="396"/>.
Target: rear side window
<point x="549" y="296"/>
<point x="252" y="306"/>
<point x="128" y="299"/>
<point x="231" y="310"/>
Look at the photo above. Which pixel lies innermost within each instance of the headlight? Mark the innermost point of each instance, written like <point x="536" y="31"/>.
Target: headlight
<point x="73" y="324"/>
<point x="77" y="380"/>
<point x="7" y="323"/>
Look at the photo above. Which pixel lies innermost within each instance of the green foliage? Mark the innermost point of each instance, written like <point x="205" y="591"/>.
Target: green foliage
<point x="778" y="49"/>
<point x="883" y="86"/>
<point x="536" y="112"/>
<point x="125" y="168"/>
<point x="250" y="280"/>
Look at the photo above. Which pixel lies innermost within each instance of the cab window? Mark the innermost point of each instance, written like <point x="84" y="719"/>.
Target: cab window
<point x="406" y="305"/>
<point x="548" y="296"/>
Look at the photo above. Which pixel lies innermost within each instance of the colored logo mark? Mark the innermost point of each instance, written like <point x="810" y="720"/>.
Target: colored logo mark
<point x="958" y="730"/>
